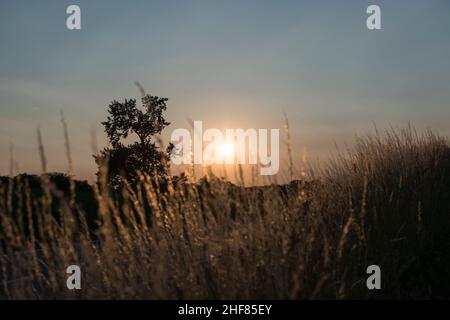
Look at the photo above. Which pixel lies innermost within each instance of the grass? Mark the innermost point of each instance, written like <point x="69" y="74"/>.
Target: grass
<point x="385" y="202"/>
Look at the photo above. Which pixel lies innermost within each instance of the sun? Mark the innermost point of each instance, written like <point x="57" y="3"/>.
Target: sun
<point x="226" y="150"/>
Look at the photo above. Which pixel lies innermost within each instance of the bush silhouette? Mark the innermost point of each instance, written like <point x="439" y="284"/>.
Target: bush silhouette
<point x="124" y="162"/>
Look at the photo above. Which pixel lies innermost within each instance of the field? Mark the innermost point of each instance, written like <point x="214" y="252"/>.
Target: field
<point x="385" y="202"/>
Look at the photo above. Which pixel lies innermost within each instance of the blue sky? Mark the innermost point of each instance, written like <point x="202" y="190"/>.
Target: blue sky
<point x="229" y="63"/>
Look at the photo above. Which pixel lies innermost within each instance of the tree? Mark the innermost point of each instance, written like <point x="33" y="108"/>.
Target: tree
<point x="124" y="162"/>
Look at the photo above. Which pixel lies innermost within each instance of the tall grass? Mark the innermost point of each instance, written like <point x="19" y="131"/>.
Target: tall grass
<point x="385" y="202"/>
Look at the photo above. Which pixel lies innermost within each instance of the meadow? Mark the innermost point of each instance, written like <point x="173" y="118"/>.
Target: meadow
<point x="386" y="201"/>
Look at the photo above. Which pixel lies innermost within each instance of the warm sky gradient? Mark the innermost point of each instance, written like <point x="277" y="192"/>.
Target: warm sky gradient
<point x="229" y="63"/>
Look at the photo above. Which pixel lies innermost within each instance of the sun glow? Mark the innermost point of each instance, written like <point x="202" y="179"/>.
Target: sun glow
<point x="240" y="146"/>
<point x="226" y="150"/>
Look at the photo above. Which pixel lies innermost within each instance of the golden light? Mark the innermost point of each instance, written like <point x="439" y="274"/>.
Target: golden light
<point x="226" y="150"/>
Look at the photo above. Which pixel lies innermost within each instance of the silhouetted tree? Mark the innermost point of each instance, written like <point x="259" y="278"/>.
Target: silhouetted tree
<point x="125" y="161"/>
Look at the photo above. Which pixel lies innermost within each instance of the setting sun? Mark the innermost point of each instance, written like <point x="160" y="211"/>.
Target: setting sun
<point x="226" y="150"/>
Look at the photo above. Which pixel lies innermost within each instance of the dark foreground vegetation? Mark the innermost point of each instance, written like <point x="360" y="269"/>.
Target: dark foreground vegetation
<point x="387" y="203"/>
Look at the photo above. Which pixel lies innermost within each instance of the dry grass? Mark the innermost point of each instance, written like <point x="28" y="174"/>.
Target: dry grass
<point x="386" y="202"/>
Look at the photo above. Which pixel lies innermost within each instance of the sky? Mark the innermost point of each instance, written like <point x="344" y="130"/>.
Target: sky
<point x="231" y="64"/>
